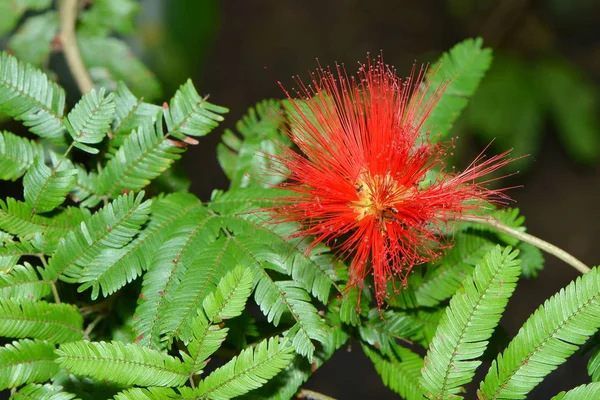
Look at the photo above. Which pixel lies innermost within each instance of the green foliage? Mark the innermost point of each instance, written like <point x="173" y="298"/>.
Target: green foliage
<point x="400" y="371"/>
<point x="112" y="227"/>
<point x="22" y="282"/>
<point x="41" y="392"/>
<point x="56" y="323"/>
<point x="89" y="120"/>
<point x="548" y="337"/>
<point x="46" y="188"/>
<point x="590" y="391"/>
<point x="27" y="95"/>
<point x="26" y="361"/>
<point x="246" y="161"/>
<point x="128" y="364"/>
<point x="468" y="323"/>
<point x="461" y="69"/>
<point x="32" y="43"/>
<point x="17" y="155"/>
<point x="250" y="370"/>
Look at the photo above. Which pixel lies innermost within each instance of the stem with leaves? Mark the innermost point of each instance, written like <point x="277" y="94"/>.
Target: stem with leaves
<point x="68" y="40"/>
<point x="528" y="238"/>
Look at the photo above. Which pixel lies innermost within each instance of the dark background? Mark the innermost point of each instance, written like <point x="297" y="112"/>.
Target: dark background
<point x="559" y="190"/>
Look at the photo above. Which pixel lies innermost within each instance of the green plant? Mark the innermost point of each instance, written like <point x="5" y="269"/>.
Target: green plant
<point x="114" y="284"/>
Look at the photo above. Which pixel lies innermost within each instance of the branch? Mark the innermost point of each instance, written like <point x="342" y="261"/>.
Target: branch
<point x="312" y="395"/>
<point x="68" y="40"/>
<point x="527" y="238"/>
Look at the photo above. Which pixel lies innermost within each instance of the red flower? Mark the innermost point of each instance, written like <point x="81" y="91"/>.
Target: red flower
<point x="366" y="180"/>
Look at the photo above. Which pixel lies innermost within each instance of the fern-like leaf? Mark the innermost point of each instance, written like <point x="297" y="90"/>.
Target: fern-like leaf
<point x="547" y="338"/>
<point x="154" y="393"/>
<point x="17" y="154"/>
<point x="131" y="114"/>
<point x="191" y="115"/>
<point x="22" y="282"/>
<point x="25" y="361"/>
<point x="41" y="392"/>
<point x="165" y="274"/>
<point x="112" y="227"/>
<point x="90" y="119"/>
<point x="468" y="323"/>
<point x="400" y="372"/>
<point x="583" y="392"/>
<point x="381" y="330"/>
<point x="27" y="95"/>
<point x="19" y="219"/>
<point x="249" y="370"/>
<point x="227" y="301"/>
<point x="57" y="323"/>
<point x="127" y="364"/>
<point x="246" y="161"/>
<point x="45" y="187"/>
<point x="113" y="268"/>
<point x="464" y="66"/>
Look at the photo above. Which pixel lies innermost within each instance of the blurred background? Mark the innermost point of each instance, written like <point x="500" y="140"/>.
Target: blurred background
<point x="541" y="97"/>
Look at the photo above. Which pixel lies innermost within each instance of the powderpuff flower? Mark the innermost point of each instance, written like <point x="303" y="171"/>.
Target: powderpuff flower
<point x="366" y="180"/>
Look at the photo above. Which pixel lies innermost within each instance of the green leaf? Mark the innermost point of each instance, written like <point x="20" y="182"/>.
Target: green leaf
<point x="313" y="269"/>
<point x="127" y="364"/>
<point x="546" y="340"/>
<point x="532" y="260"/>
<point x="246" y="162"/>
<point x="17" y="155"/>
<point x="441" y="282"/>
<point x="46" y="188"/>
<point x="32" y="42"/>
<point x="583" y="392"/>
<point x="144" y="155"/>
<point x="462" y="68"/>
<point x="165" y="274"/>
<point x="27" y="95"/>
<point x="57" y="323"/>
<point x="577" y="119"/>
<point x="191" y="115"/>
<point x="113" y="268"/>
<point x="12" y="10"/>
<point x="89" y="121"/>
<point x="400" y="372"/>
<point x="86" y="190"/>
<point x="463" y="333"/>
<point x="227" y="301"/>
<point x="106" y="15"/>
<point x="115" y="59"/>
<point x="22" y="282"/>
<point x="111" y="227"/>
<point x="19" y="219"/>
<point x="25" y="361"/>
<point x="251" y="369"/>
<point x="130" y="114"/>
<point x="594" y="366"/>
<point x="155" y="393"/>
<point x="41" y="392"/>
<point x="381" y="330"/>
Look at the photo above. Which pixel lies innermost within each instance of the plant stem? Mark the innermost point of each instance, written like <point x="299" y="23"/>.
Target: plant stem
<point x="68" y="40"/>
<point x="91" y="326"/>
<point x="527" y="238"/>
<point x="309" y="394"/>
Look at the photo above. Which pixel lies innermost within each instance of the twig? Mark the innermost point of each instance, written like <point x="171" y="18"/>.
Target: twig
<point x="527" y="238"/>
<point x="312" y="395"/>
<point x="91" y="326"/>
<point x="68" y="40"/>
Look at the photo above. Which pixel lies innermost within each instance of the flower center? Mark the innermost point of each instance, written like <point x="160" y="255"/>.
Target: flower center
<point x="378" y="198"/>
